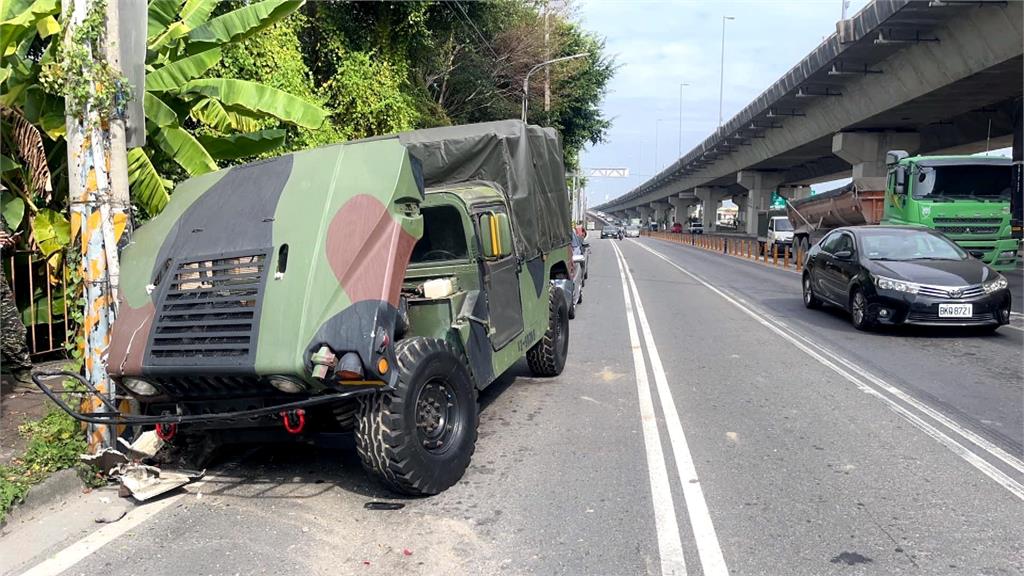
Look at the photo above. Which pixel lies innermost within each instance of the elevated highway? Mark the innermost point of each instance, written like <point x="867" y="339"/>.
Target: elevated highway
<point x="923" y="76"/>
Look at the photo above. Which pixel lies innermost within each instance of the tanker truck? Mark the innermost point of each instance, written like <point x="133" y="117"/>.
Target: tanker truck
<point x="967" y="198"/>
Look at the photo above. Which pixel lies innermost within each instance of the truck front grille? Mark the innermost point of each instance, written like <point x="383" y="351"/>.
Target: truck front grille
<point x="208" y="311"/>
<point x="973" y="229"/>
<point x="995" y="221"/>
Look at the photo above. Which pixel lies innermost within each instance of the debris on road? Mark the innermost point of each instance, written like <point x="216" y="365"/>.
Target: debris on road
<point x="141" y="481"/>
<point x="372" y="505"/>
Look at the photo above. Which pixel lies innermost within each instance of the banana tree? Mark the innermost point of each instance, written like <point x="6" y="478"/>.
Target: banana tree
<point x="196" y="121"/>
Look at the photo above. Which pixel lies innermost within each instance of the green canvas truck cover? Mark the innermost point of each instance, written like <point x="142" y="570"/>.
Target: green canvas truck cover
<point x="524" y="162"/>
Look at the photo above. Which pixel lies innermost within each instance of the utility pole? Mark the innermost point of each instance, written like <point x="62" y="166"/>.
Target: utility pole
<point x="721" y="72"/>
<point x="98" y="193"/>
<point x="681" y="84"/>
<point x="547" y="56"/>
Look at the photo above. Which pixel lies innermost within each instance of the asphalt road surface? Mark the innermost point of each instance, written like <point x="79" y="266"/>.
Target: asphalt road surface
<point x="706" y="423"/>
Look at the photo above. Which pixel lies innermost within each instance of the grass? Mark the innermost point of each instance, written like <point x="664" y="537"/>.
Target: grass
<point x="54" y="443"/>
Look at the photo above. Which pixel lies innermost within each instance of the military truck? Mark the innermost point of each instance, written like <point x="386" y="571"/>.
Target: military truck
<point x="375" y="285"/>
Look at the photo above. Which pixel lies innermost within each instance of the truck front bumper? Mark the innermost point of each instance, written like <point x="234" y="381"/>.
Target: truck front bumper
<point x="112" y="416"/>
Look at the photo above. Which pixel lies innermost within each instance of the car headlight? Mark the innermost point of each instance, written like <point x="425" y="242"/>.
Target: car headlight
<point x="995" y="285"/>
<point x="898" y="285"/>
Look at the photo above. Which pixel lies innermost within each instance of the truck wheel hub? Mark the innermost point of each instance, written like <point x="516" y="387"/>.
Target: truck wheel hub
<point x="435" y="415"/>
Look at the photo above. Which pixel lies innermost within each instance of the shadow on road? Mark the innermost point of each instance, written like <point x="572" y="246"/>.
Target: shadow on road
<point x="327" y="461"/>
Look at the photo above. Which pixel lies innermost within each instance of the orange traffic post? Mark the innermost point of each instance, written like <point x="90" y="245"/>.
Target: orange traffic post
<point x="785" y="257"/>
<point x="775" y="254"/>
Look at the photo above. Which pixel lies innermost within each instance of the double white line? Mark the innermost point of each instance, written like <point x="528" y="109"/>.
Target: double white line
<point x="670" y="549"/>
<point x="932" y="422"/>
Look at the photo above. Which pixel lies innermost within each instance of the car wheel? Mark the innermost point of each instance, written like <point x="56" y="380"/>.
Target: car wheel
<point x="418" y="438"/>
<point x="859" y="314"/>
<point x="810" y="300"/>
<point x="547" y="357"/>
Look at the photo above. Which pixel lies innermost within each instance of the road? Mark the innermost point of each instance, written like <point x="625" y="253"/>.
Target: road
<point x="706" y="423"/>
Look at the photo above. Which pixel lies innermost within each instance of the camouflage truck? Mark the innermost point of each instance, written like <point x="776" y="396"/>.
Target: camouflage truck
<point x="374" y="285"/>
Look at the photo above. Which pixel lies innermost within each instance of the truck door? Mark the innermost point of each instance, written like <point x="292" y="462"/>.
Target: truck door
<point x="501" y="277"/>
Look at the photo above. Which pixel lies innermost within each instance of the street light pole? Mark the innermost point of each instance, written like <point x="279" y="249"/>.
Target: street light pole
<point x="721" y="72"/>
<point x="681" y="84"/>
<point x="526" y="81"/>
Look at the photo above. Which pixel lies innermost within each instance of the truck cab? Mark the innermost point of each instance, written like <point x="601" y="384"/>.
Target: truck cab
<point x="967" y="198"/>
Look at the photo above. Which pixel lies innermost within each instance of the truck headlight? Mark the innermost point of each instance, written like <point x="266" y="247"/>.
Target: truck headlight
<point x="1008" y="254"/>
<point x="995" y="285"/>
<point x="139" y="387"/>
<point x="898" y="285"/>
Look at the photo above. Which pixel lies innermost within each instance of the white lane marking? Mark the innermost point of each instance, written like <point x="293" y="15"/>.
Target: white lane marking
<point x="832" y="360"/>
<point x="964" y="432"/>
<point x="670" y="547"/>
<point x="85" y="547"/>
<point x="708" y="548"/>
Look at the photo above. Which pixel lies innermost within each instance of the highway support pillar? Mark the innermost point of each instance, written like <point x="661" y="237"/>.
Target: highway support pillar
<point x="710" y="198"/>
<point x="865" y="151"/>
<point x="660" y="212"/>
<point x="760" y="186"/>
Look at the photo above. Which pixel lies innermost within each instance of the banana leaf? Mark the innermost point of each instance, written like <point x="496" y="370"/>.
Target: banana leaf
<point x="173" y="75"/>
<point x="238" y="146"/>
<point x="158" y="112"/>
<point x="148" y="188"/>
<point x="225" y="119"/>
<point x="184" y="149"/>
<point x="258" y="98"/>
<point x="240" y="24"/>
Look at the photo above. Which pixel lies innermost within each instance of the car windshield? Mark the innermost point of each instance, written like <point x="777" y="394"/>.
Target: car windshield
<point x="444" y="238"/>
<point x="783" y="225"/>
<point x="610" y="229"/>
<point x="908" y="245"/>
<point x="968" y="182"/>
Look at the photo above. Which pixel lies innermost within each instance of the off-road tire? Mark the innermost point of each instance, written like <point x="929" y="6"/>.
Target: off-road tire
<point x="547" y="357"/>
<point x="387" y="436"/>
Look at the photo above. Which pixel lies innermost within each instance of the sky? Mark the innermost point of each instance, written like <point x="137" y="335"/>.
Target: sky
<point x="659" y="44"/>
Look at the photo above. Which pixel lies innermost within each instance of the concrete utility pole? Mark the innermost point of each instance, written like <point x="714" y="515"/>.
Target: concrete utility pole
<point x="547" y="56"/>
<point x="98" y="192"/>
<point x="681" y="84"/>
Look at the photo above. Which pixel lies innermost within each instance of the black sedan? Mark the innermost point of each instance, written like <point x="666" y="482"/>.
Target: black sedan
<point x="610" y="232"/>
<point x="903" y="275"/>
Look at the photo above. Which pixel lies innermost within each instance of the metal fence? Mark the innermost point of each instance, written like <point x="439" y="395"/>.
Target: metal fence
<point x="41" y="293"/>
<point x="739" y="247"/>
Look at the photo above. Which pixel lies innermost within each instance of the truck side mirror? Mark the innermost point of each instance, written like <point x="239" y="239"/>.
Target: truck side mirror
<point x="901" y="180"/>
<point x="893" y="157"/>
<point x="495" y="235"/>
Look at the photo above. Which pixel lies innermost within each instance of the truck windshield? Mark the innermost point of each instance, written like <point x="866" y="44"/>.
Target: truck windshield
<point x="908" y="245"/>
<point x="444" y="238"/>
<point x="783" y="225"/>
<point x="968" y="182"/>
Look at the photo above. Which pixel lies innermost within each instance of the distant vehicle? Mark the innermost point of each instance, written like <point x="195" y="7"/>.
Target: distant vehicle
<point x="610" y="232"/>
<point x="774" y="230"/>
<point x="695" y="228"/>
<point x="632" y="232"/>
<point x="903" y="275"/>
<point x="580" y="261"/>
<point x="591" y="225"/>
<point x="677" y="228"/>
<point x="967" y="198"/>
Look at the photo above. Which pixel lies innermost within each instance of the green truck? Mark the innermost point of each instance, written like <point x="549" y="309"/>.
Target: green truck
<point x="373" y="286"/>
<point x="967" y="198"/>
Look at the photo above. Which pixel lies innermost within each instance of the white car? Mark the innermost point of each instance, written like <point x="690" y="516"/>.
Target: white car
<point x="632" y="232"/>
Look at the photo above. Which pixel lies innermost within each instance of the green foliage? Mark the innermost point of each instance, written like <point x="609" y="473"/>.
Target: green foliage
<point x="54" y="443"/>
<point x="367" y="97"/>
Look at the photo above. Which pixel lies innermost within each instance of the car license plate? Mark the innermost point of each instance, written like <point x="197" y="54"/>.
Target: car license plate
<point x="956" y="310"/>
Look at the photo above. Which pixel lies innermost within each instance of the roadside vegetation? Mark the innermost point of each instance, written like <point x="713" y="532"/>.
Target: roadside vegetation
<point x="54" y="443"/>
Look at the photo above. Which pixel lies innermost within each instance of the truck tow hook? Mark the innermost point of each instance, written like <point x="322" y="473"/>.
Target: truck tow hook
<point x="294" y="420"/>
<point x="166" y="432"/>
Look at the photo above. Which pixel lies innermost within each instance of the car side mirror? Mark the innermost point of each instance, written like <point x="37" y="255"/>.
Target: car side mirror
<point x="496" y="235"/>
<point x="843" y="255"/>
